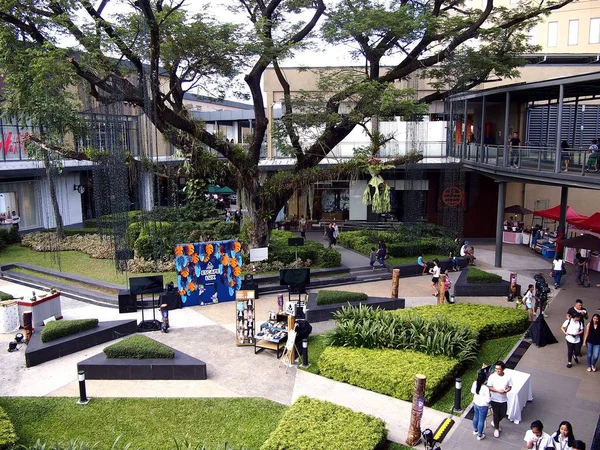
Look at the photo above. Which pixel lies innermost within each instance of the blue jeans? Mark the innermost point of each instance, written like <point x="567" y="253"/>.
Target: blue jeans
<point x="557" y="277"/>
<point x="480" y="413"/>
<point x="593" y="352"/>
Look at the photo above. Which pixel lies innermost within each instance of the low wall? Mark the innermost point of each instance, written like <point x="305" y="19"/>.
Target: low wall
<point x="316" y="313"/>
<point x="411" y="270"/>
<point x="464" y="289"/>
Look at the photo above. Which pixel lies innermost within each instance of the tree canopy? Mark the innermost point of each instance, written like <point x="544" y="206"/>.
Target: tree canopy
<point x="150" y="53"/>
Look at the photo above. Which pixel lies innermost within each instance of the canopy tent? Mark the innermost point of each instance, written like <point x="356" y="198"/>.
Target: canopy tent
<point x="517" y="209"/>
<point x="554" y="214"/>
<point x="586" y="241"/>
<point x="216" y="189"/>
<point x="591" y="223"/>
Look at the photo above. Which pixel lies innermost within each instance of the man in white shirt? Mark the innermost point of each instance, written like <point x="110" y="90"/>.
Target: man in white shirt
<point x="499" y="385"/>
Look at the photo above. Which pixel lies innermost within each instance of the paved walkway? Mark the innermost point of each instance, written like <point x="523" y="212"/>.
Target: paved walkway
<point x="208" y="333"/>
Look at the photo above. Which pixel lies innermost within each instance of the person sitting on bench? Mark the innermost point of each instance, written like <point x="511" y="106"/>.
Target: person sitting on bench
<point x="422" y="263"/>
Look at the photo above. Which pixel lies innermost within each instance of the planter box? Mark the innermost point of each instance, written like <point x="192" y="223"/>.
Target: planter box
<point x="182" y="367"/>
<point x="39" y="352"/>
<point x="42" y="309"/>
<point x="464" y="289"/>
<point x="316" y="313"/>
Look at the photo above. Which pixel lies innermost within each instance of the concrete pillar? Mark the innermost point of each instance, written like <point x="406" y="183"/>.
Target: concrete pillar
<point x="561" y="96"/>
<point x="564" y="199"/>
<point x="464" y="133"/>
<point x="505" y="137"/>
<point x="500" y="223"/>
<point x="482" y="128"/>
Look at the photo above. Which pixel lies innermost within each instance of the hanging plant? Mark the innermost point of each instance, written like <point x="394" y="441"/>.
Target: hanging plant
<point x="380" y="199"/>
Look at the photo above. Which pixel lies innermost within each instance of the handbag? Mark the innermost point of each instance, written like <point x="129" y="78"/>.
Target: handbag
<point x="564" y="269"/>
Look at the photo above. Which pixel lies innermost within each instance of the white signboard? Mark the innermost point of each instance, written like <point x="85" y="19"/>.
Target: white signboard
<point x="259" y="254"/>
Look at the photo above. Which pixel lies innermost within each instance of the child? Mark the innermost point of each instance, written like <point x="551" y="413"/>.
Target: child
<point x="528" y="302"/>
<point x="447" y="284"/>
<point x="372" y="258"/>
<point x="422" y="263"/>
<point x="454" y="261"/>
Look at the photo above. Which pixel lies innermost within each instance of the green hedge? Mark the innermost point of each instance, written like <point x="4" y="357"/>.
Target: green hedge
<point x="5" y="296"/>
<point x="336" y="297"/>
<point x="8" y="237"/>
<point x="138" y="347"/>
<point x="478" y="276"/>
<point x="279" y="250"/>
<point x="486" y="321"/>
<point x="62" y="328"/>
<point x="364" y="327"/>
<point x="389" y="372"/>
<point x="320" y="425"/>
<point x="8" y="437"/>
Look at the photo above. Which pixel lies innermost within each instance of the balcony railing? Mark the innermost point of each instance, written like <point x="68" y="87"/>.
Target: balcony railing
<point x="539" y="159"/>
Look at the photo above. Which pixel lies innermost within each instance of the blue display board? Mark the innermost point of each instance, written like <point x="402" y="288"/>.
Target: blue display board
<point x="208" y="272"/>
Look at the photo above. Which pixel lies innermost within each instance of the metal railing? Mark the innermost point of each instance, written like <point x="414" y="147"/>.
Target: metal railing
<point x="540" y="159"/>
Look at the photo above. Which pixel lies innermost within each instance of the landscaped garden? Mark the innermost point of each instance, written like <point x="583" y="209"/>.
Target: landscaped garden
<point x="383" y="350"/>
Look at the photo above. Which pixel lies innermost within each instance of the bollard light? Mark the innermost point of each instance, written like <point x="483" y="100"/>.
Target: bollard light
<point x="305" y="353"/>
<point x="83" y="400"/>
<point x="457" y="395"/>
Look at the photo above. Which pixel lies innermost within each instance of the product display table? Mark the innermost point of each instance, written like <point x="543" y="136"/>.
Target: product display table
<point x="519" y="395"/>
<point x="42" y="308"/>
<point x="512" y="237"/>
<point x="271" y="336"/>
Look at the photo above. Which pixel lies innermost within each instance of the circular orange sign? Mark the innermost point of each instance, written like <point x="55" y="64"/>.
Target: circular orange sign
<point x="452" y="196"/>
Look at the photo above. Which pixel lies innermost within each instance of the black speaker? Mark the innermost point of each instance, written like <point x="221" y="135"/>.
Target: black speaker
<point x="127" y="302"/>
<point x="295" y="241"/>
<point x="250" y="286"/>
<point x="171" y="299"/>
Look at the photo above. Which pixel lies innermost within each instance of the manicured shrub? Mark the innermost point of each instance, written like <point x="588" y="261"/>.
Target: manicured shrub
<point x="8" y="437"/>
<point x="226" y="230"/>
<point x="336" y="297"/>
<point x="320" y="425"/>
<point x="139" y="347"/>
<point x="329" y="258"/>
<point x="279" y="250"/>
<point x="478" y="276"/>
<point x="62" y="328"/>
<point x="388" y="372"/>
<point x="364" y="327"/>
<point x="486" y="321"/>
<point x="95" y="245"/>
<point x="5" y="296"/>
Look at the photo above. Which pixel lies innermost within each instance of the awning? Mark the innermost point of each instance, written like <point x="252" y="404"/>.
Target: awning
<point x="216" y="189"/>
<point x="517" y="209"/>
<point x="591" y="223"/>
<point x="554" y="214"/>
<point x="586" y="241"/>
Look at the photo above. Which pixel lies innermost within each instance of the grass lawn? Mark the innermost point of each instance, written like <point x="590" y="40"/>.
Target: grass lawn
<point x="316" y="345"/>
<point x="490" y="352"/>
<point x="146" y="423"/>
<point x="70" y="262"/>
<point x="413" y="259"/>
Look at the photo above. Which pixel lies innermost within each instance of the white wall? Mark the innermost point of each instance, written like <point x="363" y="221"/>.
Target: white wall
<point x="69" y="200"/>
<point x="358" y="210"/>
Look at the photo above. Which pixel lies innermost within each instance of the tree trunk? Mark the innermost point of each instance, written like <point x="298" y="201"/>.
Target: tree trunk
<point x="256" y="222"/>
<point x="60" y="232"/>
<point x="418" y="402"/>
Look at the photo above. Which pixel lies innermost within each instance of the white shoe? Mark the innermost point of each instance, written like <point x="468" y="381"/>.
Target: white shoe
<point x="480" y="438"/>
<point x="496" y="433"/>
<point x="475" y="432"/>
<point x="545" y="315"/>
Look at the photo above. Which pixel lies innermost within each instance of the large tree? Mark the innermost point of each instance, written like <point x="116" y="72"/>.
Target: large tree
<point x="150" y="53"/>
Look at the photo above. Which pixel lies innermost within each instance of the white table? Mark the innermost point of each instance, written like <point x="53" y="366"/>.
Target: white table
<point x="519" y="395"/>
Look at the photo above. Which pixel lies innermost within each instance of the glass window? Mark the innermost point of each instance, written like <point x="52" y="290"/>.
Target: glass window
<point x="595" y="30"/>
<point x="573" y="32"/>
<point x="552" y="34"/>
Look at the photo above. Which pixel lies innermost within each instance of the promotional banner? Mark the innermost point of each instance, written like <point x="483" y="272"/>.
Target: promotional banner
<point x="208" y="272"/>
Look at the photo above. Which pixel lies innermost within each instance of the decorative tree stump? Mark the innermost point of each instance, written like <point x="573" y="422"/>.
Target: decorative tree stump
<point x="418" y="403"/>
<point x="441" y="286"/>
<point x="395" y="282"/>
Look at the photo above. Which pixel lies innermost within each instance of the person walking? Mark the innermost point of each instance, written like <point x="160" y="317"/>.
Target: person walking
<point x="302" y="227"/>
<point x="591" y="339"/>
<point x="435" y="279"/>
<point x="481" y="404"/>
<point x="573" y="329"/>
<point x="536" y="438"/>
<point x="565" y="156"/>
<point x="499" y="384"/>
<point x="579" y="267"/>
<point x="563" y="438"/>
<point x="329" y="234"/>
<point x="529" y="302"/>
<point x="372" y="258"/>
<point x="513" y="146"/>
<point x="447" y="284"/>
<point x="381" y="252"/>
<point x="558" y="268"/>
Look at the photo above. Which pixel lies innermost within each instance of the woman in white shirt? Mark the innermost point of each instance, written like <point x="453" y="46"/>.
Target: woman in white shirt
<point x="573" y="329"/>
<point x="536" y="438"/>
<point x="563" y="438"/>
<point x="481" y="404"/>
<point x="557" y="268"/>
<point x="435" y="279"/>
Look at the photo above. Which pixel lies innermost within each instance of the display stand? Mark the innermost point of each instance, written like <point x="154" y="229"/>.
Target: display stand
<point x="272" y="335"/>
<point x="149" y="325"/>
<point x="245" y="318"/>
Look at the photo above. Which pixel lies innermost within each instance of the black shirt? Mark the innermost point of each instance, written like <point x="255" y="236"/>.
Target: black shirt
<point x="573" y="311"/>
<point x="515" y="142"/>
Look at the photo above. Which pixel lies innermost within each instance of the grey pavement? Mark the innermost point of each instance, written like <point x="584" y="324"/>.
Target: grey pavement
<point x="208" y="333"/>
<point x="350" y="258"/>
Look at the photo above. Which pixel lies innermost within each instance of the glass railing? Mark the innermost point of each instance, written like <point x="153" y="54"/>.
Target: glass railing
<point x="539" y="159"/>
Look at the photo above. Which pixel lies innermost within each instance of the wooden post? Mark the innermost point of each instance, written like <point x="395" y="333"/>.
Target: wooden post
<point x="291" y="325"/>
<point x="395" y="282"/>
<point x="418" y="403"/>
<point x="441" y="285"/>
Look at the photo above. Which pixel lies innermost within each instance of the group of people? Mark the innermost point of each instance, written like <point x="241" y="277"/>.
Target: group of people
<point x="331" y="234"/>
<point x="492" y="391"/>
<point x="578" y="335"/>
<point x="378" y="255"/>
